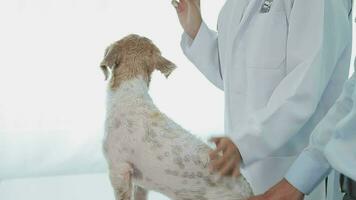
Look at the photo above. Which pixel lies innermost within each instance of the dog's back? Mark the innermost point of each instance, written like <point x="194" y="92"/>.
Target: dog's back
<point x="165" y="157"/>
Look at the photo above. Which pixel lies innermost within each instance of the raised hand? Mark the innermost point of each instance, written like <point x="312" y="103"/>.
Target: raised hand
<point x="189" y="15"/>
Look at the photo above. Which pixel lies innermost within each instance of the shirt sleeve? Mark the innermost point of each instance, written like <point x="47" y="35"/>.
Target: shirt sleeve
<point x="341" y="149"/>
<point x="204" y="54"/>
<point x="319" y="33"/>
<point x="312" y="166"/>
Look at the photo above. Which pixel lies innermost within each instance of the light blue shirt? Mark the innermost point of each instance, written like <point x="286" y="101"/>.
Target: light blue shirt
<point x="332" y="144"/>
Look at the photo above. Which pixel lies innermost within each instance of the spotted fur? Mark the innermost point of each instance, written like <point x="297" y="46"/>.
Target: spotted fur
<point x="145" y="148"/>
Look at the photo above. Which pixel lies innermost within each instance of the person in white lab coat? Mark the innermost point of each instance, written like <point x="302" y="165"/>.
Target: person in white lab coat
<point x="281" y="65"/>
<point x="332" y="145"/>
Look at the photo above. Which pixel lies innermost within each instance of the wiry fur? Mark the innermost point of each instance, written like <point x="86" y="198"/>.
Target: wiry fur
<point x="145" y="149"/>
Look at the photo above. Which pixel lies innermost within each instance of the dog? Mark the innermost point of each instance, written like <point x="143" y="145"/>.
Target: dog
<point x="146" y="150"/>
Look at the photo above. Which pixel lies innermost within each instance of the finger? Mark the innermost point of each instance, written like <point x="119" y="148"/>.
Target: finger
<point x="181" y="5"/>
<point x="228" y="168"/>
<point x="227" y="150"/>
<point x="213" y="155"/>
<point x="216" y="140"/>
<point x="236" y="172"/>
<point x="175" y="4"/>
<point x="224" y="160"/>
<point x="218" y="158"/>
<point x="224" y="157"/>
<point x="220" y="147"/>
<point x="214" y="165"/>
<point x="217" y="153"/>
<point x="219" y="163"/>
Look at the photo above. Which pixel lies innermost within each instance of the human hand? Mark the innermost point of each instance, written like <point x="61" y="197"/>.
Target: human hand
<point x="189" y="15"/>
<point x="229" y="163"/>
<point x="282" y="191"/>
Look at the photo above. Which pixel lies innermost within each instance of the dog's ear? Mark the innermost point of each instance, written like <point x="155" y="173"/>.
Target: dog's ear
<point x="165" y="66"/>
<point x="109" y="62"/>
<point x="104" y="68"/>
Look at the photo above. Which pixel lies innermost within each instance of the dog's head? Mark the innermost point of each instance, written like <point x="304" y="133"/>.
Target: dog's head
<point x="131" y="57"/>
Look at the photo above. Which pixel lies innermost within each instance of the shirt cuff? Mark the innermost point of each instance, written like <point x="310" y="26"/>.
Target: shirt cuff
<point x="193" y="47"/>
<point x="339" y="152"/>
<point x="250" y="139"/>
<point x="310" y="168"/>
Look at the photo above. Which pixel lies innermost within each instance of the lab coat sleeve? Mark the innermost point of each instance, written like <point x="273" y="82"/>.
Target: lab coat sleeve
<point x="319" y="32"/>
<point x="311" y="167"/>
<point x="204" y="54"/>
<point x="340" y="151"/>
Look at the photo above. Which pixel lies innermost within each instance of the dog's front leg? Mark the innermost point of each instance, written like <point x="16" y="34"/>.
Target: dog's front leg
<point x="120" y="178"/>
<point x="140" y="193"/>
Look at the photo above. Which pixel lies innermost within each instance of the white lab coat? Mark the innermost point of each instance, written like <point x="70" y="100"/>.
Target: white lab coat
<point x="332" y="144"/>
<point x="280" y="71"/>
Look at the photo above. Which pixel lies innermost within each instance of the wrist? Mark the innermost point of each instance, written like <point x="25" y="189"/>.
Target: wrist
<point x="193" y="32"/>
<point x="285" y="191"/>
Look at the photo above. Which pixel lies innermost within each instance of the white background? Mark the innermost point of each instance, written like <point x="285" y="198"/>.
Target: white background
<point x="52" y="92"/>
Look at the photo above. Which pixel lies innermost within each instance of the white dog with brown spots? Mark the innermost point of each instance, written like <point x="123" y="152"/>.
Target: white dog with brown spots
<point x="145" y="149"/>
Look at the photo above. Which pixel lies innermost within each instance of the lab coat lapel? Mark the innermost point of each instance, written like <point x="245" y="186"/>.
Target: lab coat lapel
<point x="252" y="7"/>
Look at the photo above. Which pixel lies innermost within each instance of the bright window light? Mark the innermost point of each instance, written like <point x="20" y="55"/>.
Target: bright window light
<point x="53" y="91"/>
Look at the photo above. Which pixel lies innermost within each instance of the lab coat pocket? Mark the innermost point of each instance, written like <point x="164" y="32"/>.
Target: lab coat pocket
<point x="266" y="40"/>
<point x="263" y="82"/>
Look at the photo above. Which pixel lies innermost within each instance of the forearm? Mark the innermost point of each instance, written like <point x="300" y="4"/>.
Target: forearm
<point x="203" y="52"/>
<point x="312" y="166"/>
